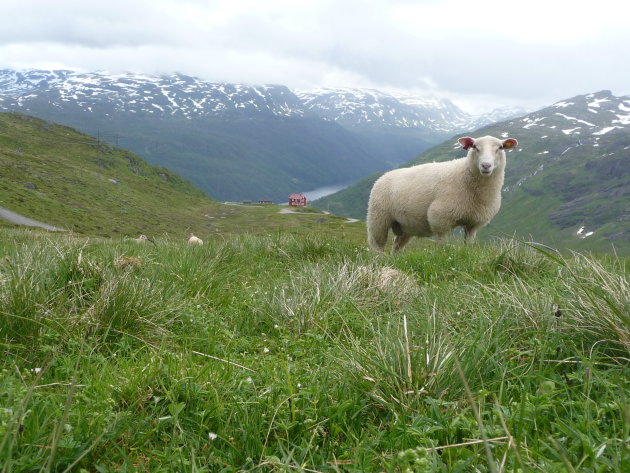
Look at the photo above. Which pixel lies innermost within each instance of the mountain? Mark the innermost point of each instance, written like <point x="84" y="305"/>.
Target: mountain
<point x="238" y="141"/>
<point x="570" y="175"/>
<point x="364" y="107"/>
<point x="355" y="107"/>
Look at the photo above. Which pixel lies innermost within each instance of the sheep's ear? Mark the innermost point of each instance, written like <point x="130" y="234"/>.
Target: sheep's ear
<point x="510" y="143"/>
<point x="466" y="142"/>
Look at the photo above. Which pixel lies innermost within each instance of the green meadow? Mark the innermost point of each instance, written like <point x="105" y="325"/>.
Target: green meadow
<point x="303" y="351"/>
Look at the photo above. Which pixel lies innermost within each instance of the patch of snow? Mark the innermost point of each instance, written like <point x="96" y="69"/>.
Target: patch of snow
<point x="581" y="233"/>
<point x="603" y="131"/>
<point x="571" y="131"/>
<point x="562" y="104"/>
<point x="575" y="119"/>
<point x="622" y="119"/>
<point x="595" y="103"/>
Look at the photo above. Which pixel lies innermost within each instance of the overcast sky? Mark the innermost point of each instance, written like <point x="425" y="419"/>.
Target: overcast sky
<point x="481" y="54"/>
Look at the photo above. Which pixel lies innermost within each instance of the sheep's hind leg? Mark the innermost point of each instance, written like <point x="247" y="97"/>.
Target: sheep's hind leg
<point x="377" y="236"/>
<point x="470" y="233"/>
<point x="400" y="241"/>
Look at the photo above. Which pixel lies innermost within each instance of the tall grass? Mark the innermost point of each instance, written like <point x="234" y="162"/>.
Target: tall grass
<point x="285" y="353"/>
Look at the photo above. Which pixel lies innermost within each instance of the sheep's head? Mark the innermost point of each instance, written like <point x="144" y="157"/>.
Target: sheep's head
<point x="487" y="153"/>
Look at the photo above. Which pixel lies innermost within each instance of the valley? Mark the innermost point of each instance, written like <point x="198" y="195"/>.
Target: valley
<point x="237" y="141"/>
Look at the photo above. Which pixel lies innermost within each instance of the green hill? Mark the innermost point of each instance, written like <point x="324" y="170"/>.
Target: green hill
<point x="53" y="174"/>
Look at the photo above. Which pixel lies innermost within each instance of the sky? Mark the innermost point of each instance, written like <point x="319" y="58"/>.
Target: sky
<point x="480" y="54"/>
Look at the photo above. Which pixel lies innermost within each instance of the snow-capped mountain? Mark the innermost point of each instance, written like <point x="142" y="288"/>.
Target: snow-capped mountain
<point x="497" y="115"/>
<point x="371" y="107"/>
<point x="20" y="82"/>
<point x="584" y="116"/>
<point x="142" y="94"/>
<point x="190" y="97"/>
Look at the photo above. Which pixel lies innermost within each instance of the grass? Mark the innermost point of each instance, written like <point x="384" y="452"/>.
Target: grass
<point x="306" y="352"/>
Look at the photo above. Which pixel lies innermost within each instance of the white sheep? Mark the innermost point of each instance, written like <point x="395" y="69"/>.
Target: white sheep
<point x="193" y="240"/>
<point x="141" y="239"/>
<point x="433" y="198"/>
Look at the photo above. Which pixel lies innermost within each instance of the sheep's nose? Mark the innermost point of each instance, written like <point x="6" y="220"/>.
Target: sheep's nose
<point x="486" y="165"/>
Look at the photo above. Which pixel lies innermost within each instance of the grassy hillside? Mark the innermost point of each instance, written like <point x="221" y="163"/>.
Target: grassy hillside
<point x="284" y="353"/>
<point x="58" y="176"/>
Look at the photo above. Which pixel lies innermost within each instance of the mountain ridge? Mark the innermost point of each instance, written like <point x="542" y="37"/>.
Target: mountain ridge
<point x="213" y="96"/>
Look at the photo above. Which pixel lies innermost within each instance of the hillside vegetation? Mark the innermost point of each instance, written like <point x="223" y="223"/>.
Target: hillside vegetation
<point x="309" y="353"/>
<point x="74" y="181"/>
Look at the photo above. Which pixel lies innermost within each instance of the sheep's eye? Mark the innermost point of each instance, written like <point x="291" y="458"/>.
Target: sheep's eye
<point x="475" y="147"/>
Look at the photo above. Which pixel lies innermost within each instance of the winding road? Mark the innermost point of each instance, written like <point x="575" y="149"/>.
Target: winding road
<point x="18" y="219"/>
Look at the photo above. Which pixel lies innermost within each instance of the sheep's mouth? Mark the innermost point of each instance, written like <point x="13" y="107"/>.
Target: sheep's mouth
<point x="485" y="172"/>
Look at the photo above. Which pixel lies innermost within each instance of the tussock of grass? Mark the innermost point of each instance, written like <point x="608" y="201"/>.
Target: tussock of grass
<point x="304" y="353"/>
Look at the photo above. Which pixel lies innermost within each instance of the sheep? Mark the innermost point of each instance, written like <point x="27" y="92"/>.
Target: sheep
<point x="193" y="240"/>
<point x="433" y="198"/>
<point x="141" y="239"/>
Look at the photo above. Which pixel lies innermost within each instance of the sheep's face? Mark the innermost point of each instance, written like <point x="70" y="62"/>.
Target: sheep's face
<point x="487" y="154"/>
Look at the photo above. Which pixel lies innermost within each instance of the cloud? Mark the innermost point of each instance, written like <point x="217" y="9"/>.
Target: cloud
<point x="531" y="53"/>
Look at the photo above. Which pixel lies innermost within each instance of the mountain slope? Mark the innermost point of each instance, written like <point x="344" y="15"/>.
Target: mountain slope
<point x="572" y="170"/>
<point x="55" y="175"/>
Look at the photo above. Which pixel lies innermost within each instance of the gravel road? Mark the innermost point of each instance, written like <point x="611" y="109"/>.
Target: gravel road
<point x="22" y="220"/>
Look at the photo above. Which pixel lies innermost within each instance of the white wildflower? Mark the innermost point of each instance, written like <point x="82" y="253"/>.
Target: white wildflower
<point x="212" y="436"/>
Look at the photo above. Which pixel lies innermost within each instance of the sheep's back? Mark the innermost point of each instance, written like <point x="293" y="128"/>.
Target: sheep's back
<point x="421" y="184"/>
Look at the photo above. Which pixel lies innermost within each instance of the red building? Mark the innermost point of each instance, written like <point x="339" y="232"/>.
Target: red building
<point x="297" y="200"/>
